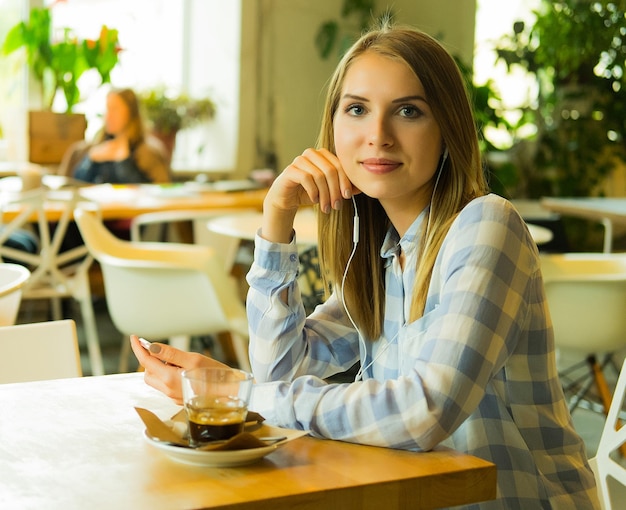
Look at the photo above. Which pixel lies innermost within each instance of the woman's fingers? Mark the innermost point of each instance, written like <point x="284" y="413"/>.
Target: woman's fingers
<point x="161" y="376"/>
<point x="319" y="174"/>
<point x="340" y="187"/>
<point x="163" y="365"/>
<point x="167" y="380"/>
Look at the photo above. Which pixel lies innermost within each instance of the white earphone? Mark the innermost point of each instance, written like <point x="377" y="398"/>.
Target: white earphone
<point x="355" y="240"/>
<point x="355" y="224"/>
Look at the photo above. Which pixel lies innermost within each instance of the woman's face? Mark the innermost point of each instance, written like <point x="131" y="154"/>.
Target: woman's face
<point x="386" y="137"/>
<point x="117" y="115"/>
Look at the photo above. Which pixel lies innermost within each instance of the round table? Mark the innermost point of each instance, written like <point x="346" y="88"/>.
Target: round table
<point x="541" y="235"/>
<point x="245" y="226"/>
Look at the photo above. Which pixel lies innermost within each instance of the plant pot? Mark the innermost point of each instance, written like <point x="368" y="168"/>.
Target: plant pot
<point x="51" y="134"/>
<point x="168" y="140"/>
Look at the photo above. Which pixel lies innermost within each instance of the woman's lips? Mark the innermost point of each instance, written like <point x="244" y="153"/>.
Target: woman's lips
<point x="380" y="166"/>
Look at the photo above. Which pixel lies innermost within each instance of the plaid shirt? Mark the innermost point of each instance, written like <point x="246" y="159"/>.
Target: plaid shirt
<point x="477" y="372"/>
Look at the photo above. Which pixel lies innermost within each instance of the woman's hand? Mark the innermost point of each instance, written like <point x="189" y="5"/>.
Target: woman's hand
<point x="314" y="177"/>
<point x="163" y="365"/>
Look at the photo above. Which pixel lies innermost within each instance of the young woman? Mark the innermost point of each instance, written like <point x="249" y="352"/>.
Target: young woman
<point x="121" y="153"/>
<point x="439" y="296"/>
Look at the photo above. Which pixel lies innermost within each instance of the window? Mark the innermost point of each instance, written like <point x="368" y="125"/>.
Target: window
<point x="184" y="45"/>
<point x="12" y="91"/>
<point x="495" y="18"/>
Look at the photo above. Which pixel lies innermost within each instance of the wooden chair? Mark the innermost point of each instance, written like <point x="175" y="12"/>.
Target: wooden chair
<point x="39" y="351"/>
<point x="165" y="290"/>
<point x="12" y="279"/>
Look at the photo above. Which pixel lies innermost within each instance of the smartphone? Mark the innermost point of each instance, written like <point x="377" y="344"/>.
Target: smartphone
<point x="144" y="343"/>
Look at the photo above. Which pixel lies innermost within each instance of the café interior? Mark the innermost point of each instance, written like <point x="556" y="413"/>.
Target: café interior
<point x="259" y="68"/>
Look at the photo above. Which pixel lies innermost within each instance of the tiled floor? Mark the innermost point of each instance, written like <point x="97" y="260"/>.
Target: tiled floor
<point x="588" y="423"/>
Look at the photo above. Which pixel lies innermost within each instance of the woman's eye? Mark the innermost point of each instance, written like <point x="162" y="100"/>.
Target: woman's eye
<point x="410" y="111"/>
<point x="355" y="109"/>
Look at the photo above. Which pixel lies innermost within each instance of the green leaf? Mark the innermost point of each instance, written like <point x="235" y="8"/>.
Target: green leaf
<point x="360" y="7"/>
<point x="14" y="39"/>
<point x="326" y="38"/>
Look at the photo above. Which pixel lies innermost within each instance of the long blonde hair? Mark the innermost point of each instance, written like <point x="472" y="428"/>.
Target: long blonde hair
<point x="461" y="178"/>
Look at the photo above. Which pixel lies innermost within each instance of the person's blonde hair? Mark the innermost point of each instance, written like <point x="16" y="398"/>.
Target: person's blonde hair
<point x="461" y="179"/>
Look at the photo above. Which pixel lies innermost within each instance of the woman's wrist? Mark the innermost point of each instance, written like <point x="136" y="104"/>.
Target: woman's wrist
<point x="277" y="225"/>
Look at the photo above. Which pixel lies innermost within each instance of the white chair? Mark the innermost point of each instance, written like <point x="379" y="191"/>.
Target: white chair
<point x="586" y="294"/>
<point x="610" y="472"/>
<point x="166" y="290"/>
<point x="54" y="274"/>
<point x="12" y="279"/>
<point x="39" y="351"/>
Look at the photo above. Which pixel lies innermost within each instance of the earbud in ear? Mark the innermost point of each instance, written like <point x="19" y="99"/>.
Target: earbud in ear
<point x="445" y="154"/>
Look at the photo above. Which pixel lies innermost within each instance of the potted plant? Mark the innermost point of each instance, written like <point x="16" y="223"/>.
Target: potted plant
<point x="167" y="112"/>
<point x="57" y="61"/>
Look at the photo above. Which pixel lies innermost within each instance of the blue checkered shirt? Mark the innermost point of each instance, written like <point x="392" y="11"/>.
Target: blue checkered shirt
<point x="476" y="372"/>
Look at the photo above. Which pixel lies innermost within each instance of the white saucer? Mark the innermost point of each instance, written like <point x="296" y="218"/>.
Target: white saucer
<point x="229" y="458"/>
<point x="226" y="458"/>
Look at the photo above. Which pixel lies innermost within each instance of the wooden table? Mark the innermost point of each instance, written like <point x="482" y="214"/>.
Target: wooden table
<point x="120" y="202"/>
<point x="78" y="444"/>
<point x="604" y="210"/>
<point x="127" y="201"/>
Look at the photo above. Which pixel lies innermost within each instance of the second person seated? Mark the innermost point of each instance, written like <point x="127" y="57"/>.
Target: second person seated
<point x="121" y="152"/>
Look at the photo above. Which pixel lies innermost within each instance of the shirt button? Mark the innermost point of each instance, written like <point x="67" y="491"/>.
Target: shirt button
<point x="293" y="257"/>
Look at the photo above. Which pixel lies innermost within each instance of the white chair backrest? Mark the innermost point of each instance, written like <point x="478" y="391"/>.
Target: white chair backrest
<point x="610" y="474"/>
<point x="160" y="290"/>
<point x="39" y="351"/>
<point x="586" y="295"/>
<point x="12" y="279"/>
<point x="226" y="246"/>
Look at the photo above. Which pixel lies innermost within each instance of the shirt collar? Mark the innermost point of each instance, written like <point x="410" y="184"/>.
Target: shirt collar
<point x="393" y="243"/>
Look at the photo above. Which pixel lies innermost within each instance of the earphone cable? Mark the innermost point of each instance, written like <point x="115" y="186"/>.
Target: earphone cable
<point x="355" y="240"/>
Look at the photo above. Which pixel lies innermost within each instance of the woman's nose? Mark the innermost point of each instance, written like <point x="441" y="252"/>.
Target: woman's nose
<point x="380" y="133"/>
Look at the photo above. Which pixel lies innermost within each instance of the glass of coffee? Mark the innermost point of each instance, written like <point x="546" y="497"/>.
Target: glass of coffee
<point x="216" y="403"/>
